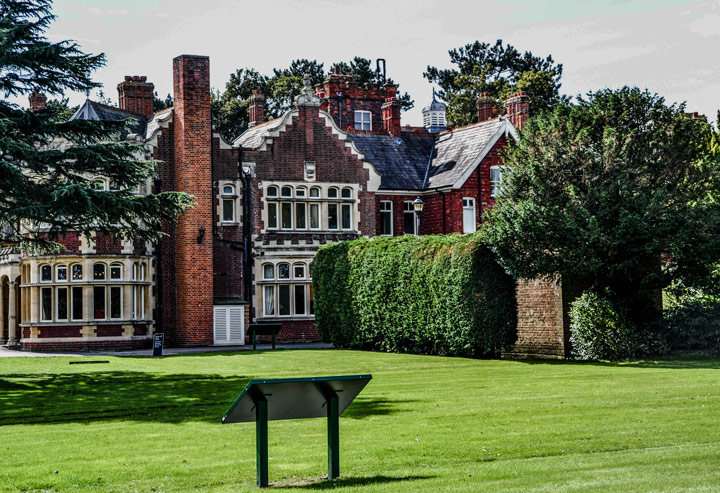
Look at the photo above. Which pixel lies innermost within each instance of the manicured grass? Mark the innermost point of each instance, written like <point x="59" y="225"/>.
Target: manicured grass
<point x="423" y="423"/>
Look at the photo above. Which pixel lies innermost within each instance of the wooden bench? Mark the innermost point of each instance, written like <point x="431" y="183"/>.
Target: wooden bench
<point x="264" y="329"/>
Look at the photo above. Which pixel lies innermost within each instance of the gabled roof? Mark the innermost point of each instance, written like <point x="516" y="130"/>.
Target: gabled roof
<point x="254" y="137"/>
<point x="401" y="161"/>
<point x="155" y="123"/>
<point x="91" y="110"/>
<point x="459" y="151"/>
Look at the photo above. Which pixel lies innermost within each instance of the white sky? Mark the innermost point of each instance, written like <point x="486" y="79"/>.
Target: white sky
<point x="672" y="47"/>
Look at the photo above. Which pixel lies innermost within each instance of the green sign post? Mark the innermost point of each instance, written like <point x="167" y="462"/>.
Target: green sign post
<point x="296" y="398"/>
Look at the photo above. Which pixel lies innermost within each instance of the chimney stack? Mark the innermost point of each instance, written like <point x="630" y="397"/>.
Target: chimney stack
<point x="135" y="95"/>
<point x="257" y="108"/>
<point x="484" y="107"/>
<point x="193" y="248"/>
<point x="37" y="101"/>
<point x="391" y="116"/>
<point x="518" y="109"/>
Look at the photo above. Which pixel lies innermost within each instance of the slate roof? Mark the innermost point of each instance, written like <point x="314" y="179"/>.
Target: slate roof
<point x="91" y="110"/>
<point x="410" y="162"/>
<point x="401" y="161"/>
<point x="457" y="150"/>
<point x="253" y="137"/>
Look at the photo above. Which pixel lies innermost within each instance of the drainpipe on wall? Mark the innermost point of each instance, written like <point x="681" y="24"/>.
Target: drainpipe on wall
<point x="247" y="255"/>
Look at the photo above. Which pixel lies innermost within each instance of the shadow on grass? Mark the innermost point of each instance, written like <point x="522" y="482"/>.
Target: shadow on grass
<point x="135" y="396"/>
<point x="689" y="361"/>
<point x="325" y="484"/>
<point x="99" y="396"/>
<point x="362" y="407"/>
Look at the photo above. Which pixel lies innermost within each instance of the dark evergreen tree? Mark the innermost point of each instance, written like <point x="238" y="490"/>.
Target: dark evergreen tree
<point x="619" y="189"/>
<point x="47" y="163"/>
<point x="499" y="70"/>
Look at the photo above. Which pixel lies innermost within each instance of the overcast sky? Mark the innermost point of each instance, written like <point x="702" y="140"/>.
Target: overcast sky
<point x="672" y="47"/>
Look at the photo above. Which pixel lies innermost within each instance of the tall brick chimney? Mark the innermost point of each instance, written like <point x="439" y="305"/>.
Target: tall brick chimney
<point x="37" y="101"/>
<point x="193" y="238"/>
<point x="518" y="109"/>
<point x="485" y="107"/>
<point x="135" y="95"/>
<point x="391" y="116"/>
<point x="257" y="108"/>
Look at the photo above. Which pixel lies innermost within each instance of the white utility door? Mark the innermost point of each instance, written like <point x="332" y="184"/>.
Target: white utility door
<point x="469" y="215"/>
<point x="229" y="325"/>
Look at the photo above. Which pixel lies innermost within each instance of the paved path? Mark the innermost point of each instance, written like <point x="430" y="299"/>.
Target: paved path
<point x="9" y="353"/>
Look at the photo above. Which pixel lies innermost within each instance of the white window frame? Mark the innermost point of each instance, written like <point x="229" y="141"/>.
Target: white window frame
<point x="43" y="290"/>
<point x="496" y="184"/>
<point x="49" y="267"/>
<point x="67" y="302"/>
<point x="109" y="302"/>
<point x="57" y="269"/>
<point x="387" y="211"/>
<point x="363" y="120"/>
<point x="116" y="266"/>
<point x="409" y="208"/>
<point x="228" y="197"/>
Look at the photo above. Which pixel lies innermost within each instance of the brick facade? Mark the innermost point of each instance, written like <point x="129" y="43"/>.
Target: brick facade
<point x="208" y="260"/>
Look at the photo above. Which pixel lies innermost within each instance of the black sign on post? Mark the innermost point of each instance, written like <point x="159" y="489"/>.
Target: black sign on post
<point x="158" y="343"/>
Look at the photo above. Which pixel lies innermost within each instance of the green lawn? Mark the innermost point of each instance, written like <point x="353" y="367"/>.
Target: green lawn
<point x="423" y="423"/>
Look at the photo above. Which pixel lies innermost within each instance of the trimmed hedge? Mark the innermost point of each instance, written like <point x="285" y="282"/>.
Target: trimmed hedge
<point x="443" y="295"/>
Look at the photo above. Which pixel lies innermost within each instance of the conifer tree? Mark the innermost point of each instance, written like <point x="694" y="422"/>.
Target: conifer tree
<point x="48" y="165"/>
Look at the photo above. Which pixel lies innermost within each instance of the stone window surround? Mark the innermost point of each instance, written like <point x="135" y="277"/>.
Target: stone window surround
<point x="33" y="290"/>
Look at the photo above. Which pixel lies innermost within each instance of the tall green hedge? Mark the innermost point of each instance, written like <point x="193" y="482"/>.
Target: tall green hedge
<point x="442" y="295"/>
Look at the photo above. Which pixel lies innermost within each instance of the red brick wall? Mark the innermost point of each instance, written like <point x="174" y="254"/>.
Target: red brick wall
<point x="61" y="331"/>
<point x="194" y="262"/>
<point x="284" y="160"/>
<point x="227" y="240"/>
<point x="107" y="244"/>
<point x="165" y="314"/>
<point x="135" y="95"/>
<point x="342" y="107"/>
<point x="108" y="330"/>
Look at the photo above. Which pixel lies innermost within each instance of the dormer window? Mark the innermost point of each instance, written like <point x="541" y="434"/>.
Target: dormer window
<point x="363" y="120"/>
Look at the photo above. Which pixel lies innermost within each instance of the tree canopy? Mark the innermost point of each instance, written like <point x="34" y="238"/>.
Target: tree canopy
<point x="48" y="165"/>
<point x="608" y="188"/>
<point x="499" y="70"/>
<point x="230" y="109"/>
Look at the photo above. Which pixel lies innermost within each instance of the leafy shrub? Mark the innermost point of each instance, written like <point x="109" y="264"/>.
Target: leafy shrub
<point x="692" y="325"/>
<point x="600" y="331"/>
<point x="442" y="295"/>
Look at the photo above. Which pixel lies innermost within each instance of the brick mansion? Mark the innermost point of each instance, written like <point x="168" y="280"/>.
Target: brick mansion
<point x="337" y="166"/>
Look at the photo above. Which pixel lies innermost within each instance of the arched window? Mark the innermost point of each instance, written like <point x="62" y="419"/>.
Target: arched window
<point x="332" y="193"/>
<point x="298" y="271"/>
<point x="98" y="272"/>
<point x="283" y="271"/>
<point x="135" y="271"/>
<point x="61" y="273"/>
<point x="228" y="204"/>
<point x="77" y="272"/>
<point x="286" y="191"/>
<point x="268" y="271"/>
<point x="116" y="272"/>
<point x="347" y="193"/>
<point x="272" y="191"/>
<point x="315" y="192"/>
<point x="45" y="273"/>
<point x="142" y="271"/>
<point x="300" y="192"/>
